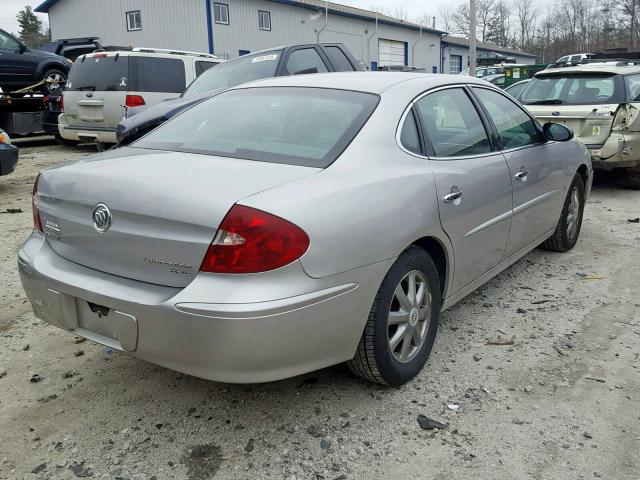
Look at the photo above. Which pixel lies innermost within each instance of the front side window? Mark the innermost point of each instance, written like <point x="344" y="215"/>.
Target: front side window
<point x="575" y="89"/>
<point x="221" y="13"/>
<point x="264" y="20"/>
<point x="305" y="60"/>
<point x="297" y="126"/>
<point x="515" y="128"/>
<point x="452" y="124"/>
<point x="8" y="43"/>
<point x="134" y="21"/>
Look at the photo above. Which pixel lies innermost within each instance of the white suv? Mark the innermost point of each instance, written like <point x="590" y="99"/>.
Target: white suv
<point x="600" y="102"/>
<point x="102" y="85"/>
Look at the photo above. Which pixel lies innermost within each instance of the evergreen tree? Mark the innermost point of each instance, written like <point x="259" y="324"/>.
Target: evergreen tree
<point x="31" y="29"/>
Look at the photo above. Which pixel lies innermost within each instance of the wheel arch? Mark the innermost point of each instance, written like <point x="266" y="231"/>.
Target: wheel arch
<point x="48" y="64"/>
<point x="441" y="257"/>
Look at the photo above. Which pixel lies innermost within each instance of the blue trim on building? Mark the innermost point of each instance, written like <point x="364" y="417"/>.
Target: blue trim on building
<point x="45" y="6"/>
<point x="209" y="25"/>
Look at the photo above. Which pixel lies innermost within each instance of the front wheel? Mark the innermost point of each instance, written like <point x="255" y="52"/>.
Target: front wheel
<point x="403" y="322"/>
<point x="568" y="228"/>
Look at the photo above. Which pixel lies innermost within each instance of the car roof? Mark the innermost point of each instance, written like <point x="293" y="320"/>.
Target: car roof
<point x="369" y="82"/>
<point x="612" y="67"/>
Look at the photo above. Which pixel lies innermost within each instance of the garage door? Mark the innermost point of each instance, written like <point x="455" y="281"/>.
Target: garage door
<point x="390" y="52"/>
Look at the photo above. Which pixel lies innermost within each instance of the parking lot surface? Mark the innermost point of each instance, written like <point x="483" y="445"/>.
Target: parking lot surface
<point x="536" y="375"/>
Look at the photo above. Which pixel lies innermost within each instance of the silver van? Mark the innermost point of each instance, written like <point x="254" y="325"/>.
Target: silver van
<point x="102" y="85"/>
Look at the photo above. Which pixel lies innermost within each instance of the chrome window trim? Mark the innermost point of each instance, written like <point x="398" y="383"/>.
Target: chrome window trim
<point x="420" y="97"/>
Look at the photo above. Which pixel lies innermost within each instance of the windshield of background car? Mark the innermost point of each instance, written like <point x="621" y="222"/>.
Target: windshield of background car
<point x="291" y="125"/>
<point x="573" y="89"/>
<point x="235" y="72"/>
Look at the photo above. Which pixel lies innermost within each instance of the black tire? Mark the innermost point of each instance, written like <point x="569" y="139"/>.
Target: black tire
<point x="54" y="73"/>
<point x="562" y="239"/>
<point x="65" y="142"/>
<point x="374" y="359"/>
<point x="633" y="178"/>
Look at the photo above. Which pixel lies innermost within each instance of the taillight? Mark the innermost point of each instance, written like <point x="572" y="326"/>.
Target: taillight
<point x="35" y="204"/>
<point x="100" y="55"/>
<point x="134" y="101"/>
<point x="252" y="241"/>
<point x="61" y="103"/>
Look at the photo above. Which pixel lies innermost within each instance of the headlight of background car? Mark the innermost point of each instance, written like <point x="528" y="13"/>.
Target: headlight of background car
<point x="4" y="137"/>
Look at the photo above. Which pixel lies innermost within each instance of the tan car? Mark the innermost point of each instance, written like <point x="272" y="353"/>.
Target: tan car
<point x="600" y="102"/>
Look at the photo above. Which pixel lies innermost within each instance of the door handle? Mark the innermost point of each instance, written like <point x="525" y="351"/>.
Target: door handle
<point x="522" y="174"/>
<point x="454" y="197"/>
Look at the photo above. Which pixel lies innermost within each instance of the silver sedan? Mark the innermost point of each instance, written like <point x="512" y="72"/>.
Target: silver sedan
<point x="294" y="223"/>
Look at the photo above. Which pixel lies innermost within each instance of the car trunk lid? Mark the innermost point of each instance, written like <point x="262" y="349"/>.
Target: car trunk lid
<point x="164" y="208"/>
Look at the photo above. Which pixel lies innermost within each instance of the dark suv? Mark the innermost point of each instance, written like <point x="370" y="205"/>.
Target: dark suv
<point x="21" y="66"/>
<point x="282" y="61"/>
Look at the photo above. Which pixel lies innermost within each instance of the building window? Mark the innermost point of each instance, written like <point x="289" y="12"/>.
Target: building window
<point x="264" y="20"/>
<point x="134" y="21"/>
<point x="221" y="13"/>
<point x="455" y="64"/>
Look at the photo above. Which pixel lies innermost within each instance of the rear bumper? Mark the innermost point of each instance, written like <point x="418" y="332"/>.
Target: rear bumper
<point x="8" y="158"/>
<point x="195" y="331"/>
<point x="81" y="134"/>
<point x="619" y="151"/>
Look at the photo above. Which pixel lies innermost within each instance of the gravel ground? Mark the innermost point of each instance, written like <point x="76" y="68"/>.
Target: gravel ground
<point x="563" y="401"/>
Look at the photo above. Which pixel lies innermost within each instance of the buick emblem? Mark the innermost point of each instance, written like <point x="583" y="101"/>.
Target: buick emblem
<point x="101" y="218"/>
<point x="555" y="114"/>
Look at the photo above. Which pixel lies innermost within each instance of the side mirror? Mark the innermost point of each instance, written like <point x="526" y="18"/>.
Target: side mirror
<point x="556" y="132"/>
<point x="22" y="48"/>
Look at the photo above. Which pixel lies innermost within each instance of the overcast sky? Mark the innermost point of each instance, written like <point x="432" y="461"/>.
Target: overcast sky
<point x="415" y="8"/>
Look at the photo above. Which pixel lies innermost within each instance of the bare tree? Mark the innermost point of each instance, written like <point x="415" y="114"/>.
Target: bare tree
<point x="526" y="14"/>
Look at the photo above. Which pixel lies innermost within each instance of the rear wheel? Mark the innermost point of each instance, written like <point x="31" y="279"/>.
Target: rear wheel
<point x="55" y="80"/>
<point x="65" y="142"/>
<point x="568" y="228"/>
<point x="403" y="322"/>
<point x="633" y="178"/>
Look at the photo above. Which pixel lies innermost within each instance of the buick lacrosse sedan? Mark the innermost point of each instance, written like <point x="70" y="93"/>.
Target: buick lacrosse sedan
<point x="294" y="223"/>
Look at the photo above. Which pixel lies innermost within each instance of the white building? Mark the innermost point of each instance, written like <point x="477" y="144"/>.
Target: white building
<point x="455" y="54"/>
<point x="229" y="28"/>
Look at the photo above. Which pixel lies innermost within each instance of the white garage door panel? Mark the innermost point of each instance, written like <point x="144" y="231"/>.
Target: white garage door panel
<point x="390" y="52"/>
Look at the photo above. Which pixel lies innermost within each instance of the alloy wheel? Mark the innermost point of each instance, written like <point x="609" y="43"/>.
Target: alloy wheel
<point x="409" y="314"/>
<point x="573" y="213"/>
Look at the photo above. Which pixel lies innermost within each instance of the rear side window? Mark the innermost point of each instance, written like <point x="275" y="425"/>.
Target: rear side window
<point x="202" y="67"/>
<point x="296" y="126"/>
<point x="452" y="124"/>
<point x="158" y="74"/>
<point x="409" y="137"/>
<point x="100" y="73"/>
<point x="633" y="88"/>
<point x="339" y="60"/>
<point x="515" y="128"/>
<point x="305" y="60"/>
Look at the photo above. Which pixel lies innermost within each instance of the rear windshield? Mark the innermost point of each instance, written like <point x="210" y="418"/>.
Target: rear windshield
<point x="127" y="73"/>
<point x="99" y="73"/>
<point x="235" y="72"/>
<point x="579" y="89"/>
<point x="291" y="125"/>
